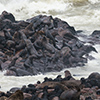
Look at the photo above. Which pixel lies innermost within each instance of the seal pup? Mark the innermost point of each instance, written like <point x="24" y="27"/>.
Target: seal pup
<point x="68" y="75"/>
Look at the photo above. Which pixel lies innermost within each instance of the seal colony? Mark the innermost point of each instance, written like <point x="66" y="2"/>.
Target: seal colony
<point x="66" y="88"/>
<point x="44" y="44"/>
<point x="40" y="44"/>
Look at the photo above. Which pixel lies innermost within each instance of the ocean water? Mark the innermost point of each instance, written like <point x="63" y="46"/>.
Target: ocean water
<point x="82" y="14"/>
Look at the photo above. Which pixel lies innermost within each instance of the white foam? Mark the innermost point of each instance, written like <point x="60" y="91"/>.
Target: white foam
<point x="85" y="16"/>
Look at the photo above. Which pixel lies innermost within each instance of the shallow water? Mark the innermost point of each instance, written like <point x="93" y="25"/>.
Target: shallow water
<point x="82" y="14"/>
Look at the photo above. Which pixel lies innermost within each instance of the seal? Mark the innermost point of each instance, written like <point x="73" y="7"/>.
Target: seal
<point x="70" y="95"/>
<point x="13" y="62"/>
<point x="49" y="47"/>
<point x="31" y="48"/>
<point x="18" y="95"/>
<point x="72" y="84"/>
<point x="52" y="85"/>
<point x="7" y="34"/>
<point x="9" y="16"/>
<point x="3" y="98"/>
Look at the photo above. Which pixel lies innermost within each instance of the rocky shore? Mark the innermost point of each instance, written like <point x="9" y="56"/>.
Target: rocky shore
<point x="67" y="88"/>
<point x="41" y="44"/>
